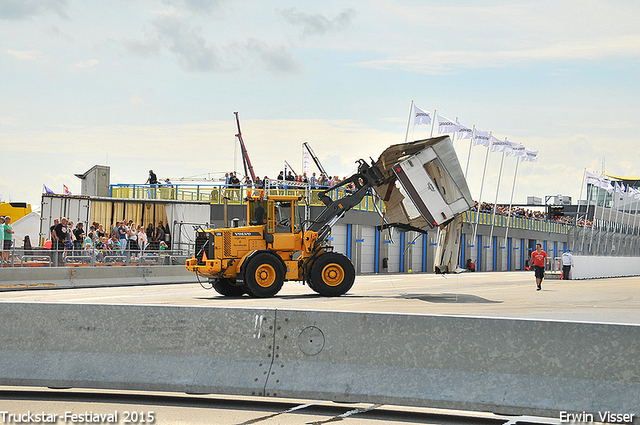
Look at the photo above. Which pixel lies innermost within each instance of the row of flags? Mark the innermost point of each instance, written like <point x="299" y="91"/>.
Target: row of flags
<point x="65" y="190"/>
<point x="611" y="185"/>
<point x="477" y="136"/>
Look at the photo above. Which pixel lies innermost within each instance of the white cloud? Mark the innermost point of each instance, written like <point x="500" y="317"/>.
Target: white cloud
<point x="137" y="100"/>
<point x="91" y="63"/>
<point x="25" y="55"/>
<point x="446" y="61"/>
<point x="24" y="9"/>
<point x="317" y="24"/>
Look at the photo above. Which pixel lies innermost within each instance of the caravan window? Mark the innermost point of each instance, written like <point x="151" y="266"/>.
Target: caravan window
<point x="443" y="181"/>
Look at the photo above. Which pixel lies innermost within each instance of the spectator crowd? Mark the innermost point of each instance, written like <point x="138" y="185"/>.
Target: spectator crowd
<point x="125" y="239"/>
<point x="232" y="181"/>
<point x="487" y="207"/>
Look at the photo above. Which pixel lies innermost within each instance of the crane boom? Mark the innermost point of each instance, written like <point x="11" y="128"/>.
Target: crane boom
<point x="315" y="159"/>
<point x="246" y="162"/>
<point x="290" y="168"/>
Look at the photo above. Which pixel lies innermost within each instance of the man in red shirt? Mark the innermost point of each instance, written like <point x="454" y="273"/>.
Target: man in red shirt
<point x="538" y="260"/>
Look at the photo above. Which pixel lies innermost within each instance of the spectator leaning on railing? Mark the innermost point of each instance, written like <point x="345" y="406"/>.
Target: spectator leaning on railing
<point x="7" y="238"/>
<point x="487" y="207"/>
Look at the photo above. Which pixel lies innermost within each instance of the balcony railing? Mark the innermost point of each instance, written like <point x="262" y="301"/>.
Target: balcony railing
<point x="215" y="194"/>
<point x="516" y="222"/>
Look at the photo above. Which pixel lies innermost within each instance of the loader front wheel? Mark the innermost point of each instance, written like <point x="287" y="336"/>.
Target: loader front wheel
<point x="227" y="287"/>
<point x="264" y="276"/>
<point x="332" y="275"/>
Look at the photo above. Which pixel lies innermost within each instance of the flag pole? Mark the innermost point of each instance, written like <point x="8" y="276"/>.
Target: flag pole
<point x="608" y="222"/>
<point x="513" y="187"/>
<point x="615" y="221"/>
<point x="595" y="216"/>
<point x="473" y="136"/>
<point x="635" y="215"/>
<point x="455" y="133"/>
<point x="586" y="218"/>
<point x="433" y="123"/>
<point x="584" y="176"/>
<point x="628" y="191"/>
<point x="484" y="171"/>
<point x="495" y="202"/>
<point x="409" y="122"/>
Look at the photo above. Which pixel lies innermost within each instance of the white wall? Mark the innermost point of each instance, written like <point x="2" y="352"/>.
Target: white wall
<point x="588" y="267"/>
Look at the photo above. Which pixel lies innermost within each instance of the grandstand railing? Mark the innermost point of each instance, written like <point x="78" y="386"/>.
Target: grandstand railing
<point x="41" y="257"/>
<point x="215" y="194"/>
<point x="516" y="222"/>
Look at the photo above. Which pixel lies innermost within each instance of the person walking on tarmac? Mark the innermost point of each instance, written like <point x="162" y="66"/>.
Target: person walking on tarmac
<point x="567" y="263"/>
<point x="539" y="259"/>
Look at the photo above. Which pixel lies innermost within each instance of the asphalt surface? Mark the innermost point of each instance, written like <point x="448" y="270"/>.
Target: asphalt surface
<point x="508" y="294"/>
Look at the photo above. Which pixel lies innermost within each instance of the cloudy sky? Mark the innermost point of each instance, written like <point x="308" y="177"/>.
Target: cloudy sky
<point x="142" y="84"/>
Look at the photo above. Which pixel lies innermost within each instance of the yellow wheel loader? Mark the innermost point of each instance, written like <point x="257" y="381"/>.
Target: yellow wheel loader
<point x="421" y="184"/>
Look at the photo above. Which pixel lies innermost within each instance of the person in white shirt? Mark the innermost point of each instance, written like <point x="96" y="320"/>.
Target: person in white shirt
<point x="567" y="263"/>
<point x="143" y="241"/>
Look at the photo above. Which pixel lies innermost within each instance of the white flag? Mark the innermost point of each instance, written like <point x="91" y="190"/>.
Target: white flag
<point x="481" y="137"/>
<point x="631" y="192"/>
<point x="608" y="187"/>
<point x="499" y="145"/>
<point x="445" y="125"/>
<point x="599" y="181"/>
<point x="517" y="149"/>
<point x="619" y="188"/>
<point x="464" y="132"/>
<point x="420" y="116"/>
<point x="530" y="155"/>
<point x="594" y="179"/>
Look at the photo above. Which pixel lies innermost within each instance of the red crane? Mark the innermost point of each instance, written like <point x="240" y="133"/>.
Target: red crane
<point x="248" y="168"/>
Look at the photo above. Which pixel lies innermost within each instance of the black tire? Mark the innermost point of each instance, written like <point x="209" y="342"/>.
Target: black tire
<point x="264" y="276"/>
<point x="332" y="275"/>
<point x="227" y="287"/>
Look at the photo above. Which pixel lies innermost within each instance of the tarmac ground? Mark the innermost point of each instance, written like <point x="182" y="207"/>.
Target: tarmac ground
<point x="504" y="294"/>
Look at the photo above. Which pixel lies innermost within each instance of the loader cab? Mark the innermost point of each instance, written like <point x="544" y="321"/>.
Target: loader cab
<point x="279" y="213"/>
<point x="257" y="211"/>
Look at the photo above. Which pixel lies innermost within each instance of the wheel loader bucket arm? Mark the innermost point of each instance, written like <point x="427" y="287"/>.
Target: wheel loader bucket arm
<point x="363" y="180"/>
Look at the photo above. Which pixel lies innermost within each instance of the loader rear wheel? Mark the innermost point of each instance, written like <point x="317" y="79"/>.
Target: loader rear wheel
<point x="227" y="287"/>
<point x="332" y="275"/>
<point x="264" y="276"/>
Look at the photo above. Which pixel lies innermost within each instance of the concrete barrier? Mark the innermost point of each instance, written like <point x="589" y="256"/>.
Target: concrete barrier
<point x="508" y="366"/>
<point x="194" y="350"/>
<point x="589" y="267"/>
<point x="504" y="366"/>
<point x="16" y="278"/>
